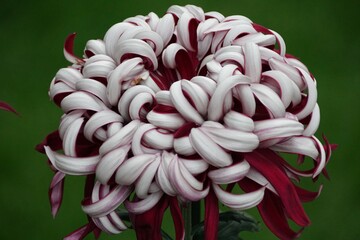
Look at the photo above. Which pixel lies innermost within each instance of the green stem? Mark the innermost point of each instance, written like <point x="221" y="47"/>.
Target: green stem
<point x="186" y="212"/>
<point x="195" y="213"/>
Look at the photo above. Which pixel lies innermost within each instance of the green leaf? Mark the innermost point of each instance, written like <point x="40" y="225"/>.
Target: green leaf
<point x="231" y="224"/>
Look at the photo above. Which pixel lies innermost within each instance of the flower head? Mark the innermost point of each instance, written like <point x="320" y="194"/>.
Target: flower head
<point x="173" y="109"/>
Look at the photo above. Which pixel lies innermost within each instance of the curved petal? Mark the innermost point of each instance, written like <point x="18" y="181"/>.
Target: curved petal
<point x="143" y="205"/>
<point x="72" y="165"/>
<point x="209" y="150"/>
<point x="107" y="204"/>
<point x="132" y="168"/>
<point x="230" y="174"/>
<point x="239" y="202"/>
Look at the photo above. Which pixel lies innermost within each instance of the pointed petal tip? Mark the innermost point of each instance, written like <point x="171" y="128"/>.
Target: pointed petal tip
<point x="7" y="107"/>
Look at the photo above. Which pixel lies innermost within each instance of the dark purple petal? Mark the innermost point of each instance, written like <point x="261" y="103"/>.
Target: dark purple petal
<point x="7" y="107"/>
<point x="52" y="140"/>
<point x="177" y="218"/>
<point x="211" y="216"/>
<point x="81" y="232"/>
<point x="265" y="161"/>
<point x="307" y="196"/>
<point x="184" y="65"/>
<point x="56" y="192"/>
<point x="272" y="212"/>
<point x="69" y="49"/>
<point x="148" y="224"/>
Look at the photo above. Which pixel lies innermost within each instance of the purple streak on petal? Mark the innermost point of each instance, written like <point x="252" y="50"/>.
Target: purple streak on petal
<point x="7" y="107"/>
<point x="177" y="218"/>
<point x="52" y="140"/>
<point x="211" y="216"/>
<point x="56" y="192"/>
<point x="265" y="161"/>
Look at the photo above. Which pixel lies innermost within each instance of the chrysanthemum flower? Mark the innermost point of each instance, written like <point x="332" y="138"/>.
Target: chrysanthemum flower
<point x="182" y="108"/>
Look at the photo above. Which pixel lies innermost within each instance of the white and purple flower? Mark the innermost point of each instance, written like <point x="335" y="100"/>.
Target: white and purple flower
<point x="183" y="108"/>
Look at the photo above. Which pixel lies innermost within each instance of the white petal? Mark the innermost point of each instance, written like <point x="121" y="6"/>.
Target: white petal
<point x="95" y="46"/>
<point x="143" y="205"/>
<point x="277" y="128"/>
<point x="182" y="104"/>
<point x="312" y="95"/>
<point x="232" y="140"/>
<point x="299" y="145"/>
<point x="94" y="87"/>
<point x="314" y="122"/>
<point x="258" y="38"/>
<point x="245" y="95"/>
<point x="142" y="185"/>
<point x="229" y="174"/>
<point x="285" y="84"/>
<point x="159" y="139"/>
<point x="99" y="120"/>
<point x="195" y="166"/>
<point x="128" y="96"/>
<point x="171" y="121"/>
<point x="165" y="28"/>
<point x="137" y="145"/>
<point x="198" y="96"/>
<point x="252" y="61"/>
<point x="209" y="150"/>
<point x="239" y="121"/>
<point x="124" y="72"/>
<point x="207" y="84"/>
<point x="72" y="165"/>
<point x="289" y="70"/>
<point x="110" y="162"/>
<point x="132" y="168"/>
<point x="81" y="101"/>
<point x="270" y="100"/>
<point x="138" y="47"/>
<point x="260" y="179"/>
<point x="236" y="31"/>
<point x="181" y="184"/>
<point x="68" y="119"/>
<point x="70" y="136"/>
<point x="215" y="110"/>
<point x="280" y="41"/>
<point x="123" y="137"/>
<point x="239" y="202"/>
<point x="321" y="159"/>
<point x="136" y="110"/>
<point x="112" y="36"/>
<point x="69" y="76"/>
<point x="183" y="146"/>
<point x="109" y="203"/>
<point x="183" y="31"/>
<point x="98" y="66"/>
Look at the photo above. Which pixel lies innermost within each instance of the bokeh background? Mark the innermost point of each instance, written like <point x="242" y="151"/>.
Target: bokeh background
<point x="324" y="34"/>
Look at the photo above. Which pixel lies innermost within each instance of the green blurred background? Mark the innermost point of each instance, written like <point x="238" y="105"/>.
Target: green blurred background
<point x="324" y="34"/>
